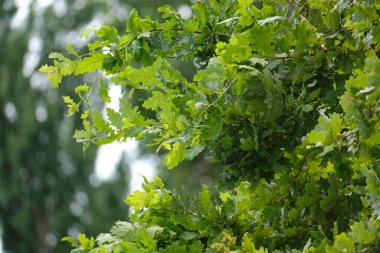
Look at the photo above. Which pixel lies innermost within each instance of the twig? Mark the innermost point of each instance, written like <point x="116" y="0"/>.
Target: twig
<point x="90" y="90"/>
<point x="218" y="98"/>
<point x="287" y="57"/>
<point x="210" y="105"/>
<point x="95" y="51"/>
<point x="173" y="29"/>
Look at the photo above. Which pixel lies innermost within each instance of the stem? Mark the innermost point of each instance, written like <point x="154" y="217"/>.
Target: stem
<point x="90" y="90"/>
<point x="218" y="98"/>
<point x="279" y="58"/>
<point x="96" y="51"/>
<point x="173" y="29"/>
<point x="192" y="123"/>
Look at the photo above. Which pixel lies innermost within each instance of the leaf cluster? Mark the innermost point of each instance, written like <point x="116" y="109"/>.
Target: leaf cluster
<point x="285" y="97"/>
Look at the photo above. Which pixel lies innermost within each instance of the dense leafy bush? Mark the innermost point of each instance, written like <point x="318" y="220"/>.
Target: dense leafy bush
<point x="286" y="98"/>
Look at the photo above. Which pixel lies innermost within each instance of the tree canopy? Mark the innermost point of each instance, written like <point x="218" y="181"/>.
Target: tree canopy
<point x="285" y="96"/>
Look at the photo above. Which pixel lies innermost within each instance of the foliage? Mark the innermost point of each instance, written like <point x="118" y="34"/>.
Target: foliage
<point x="286" y="98"/>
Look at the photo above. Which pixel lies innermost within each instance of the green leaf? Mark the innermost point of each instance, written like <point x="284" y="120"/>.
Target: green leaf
<point x="82" y="134"/>
<point x="147" y="76"/>
<point x="342" y="244"/>
<point x="99" y="122"/>
<point x="205" y="201"/>
<point x="157" y="100"/>
<point x="133" y="21"/>
<point x="174" y="248"/>
<point x="115" y="118"/>
<point x="121" y="228"/>
<point x="86" y="32"/>
<point x="53" y="74"/>
<point x="176" y="155"/>
<point x="144" y="35"/>
<point x="247" y="244"/>
<point x="247" y="144"/>
<point x="73" y="107"/>
<point x="126" y="39"/>
<point x="70" y="240"/>
<point x="84" y="88"/>
<point x="136" y="24"/>
<point x="189" y="235"/>
<point x="59" y="57"/>
<point x="103" y="91"/>
<point x="91" y="64"/>
<point x="107" y="32"/>
<point x="140" y="199"/>
<point x="105" y="238"/>
<point x="109" y="64"/>
<point x="363" y="233"/>
<point x="261" y="38"/>
<point x="86" y="243"/>
<point x="313" y="95"/>
<point x="70" y="49"/>
<point x="132" y="115"/>
<point x="270" y="20"/>
<point x="213" y="76"/>
<point x="193" y="152"/>
<point x="195" y="247"/>
<point x="67" y="68"/>
<point x="96" y="44"/>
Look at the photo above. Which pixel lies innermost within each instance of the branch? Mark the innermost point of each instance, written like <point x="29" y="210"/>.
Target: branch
<point x="95" y="51"/>
<point x="84" y="97"/>
<point x="280" y="57"/>
<point x="210" y="105"/>
<point x="218" y="98"/>
<point x="173" y="29"/>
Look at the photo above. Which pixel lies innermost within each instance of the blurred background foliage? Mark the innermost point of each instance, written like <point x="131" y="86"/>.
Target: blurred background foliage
<point x="48" y="189"/>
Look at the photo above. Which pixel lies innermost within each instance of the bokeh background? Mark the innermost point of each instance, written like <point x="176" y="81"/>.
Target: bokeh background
<point x="48" y="188"/>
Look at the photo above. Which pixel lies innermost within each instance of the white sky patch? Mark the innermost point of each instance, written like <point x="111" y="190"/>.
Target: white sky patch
<point x="39" y="81"/>
<point x="11" y="112"/>
<point x="31" y="62"/>
<point x="62" y="38"/>
<point x="142" y="167"/>
<point x="108" y="156"/>
<point x="33" y="56"/>
<point x="35" y="43"/>
<point x="185" y="11"/>
<point x="40" y="6"/>
<point x="120" y="12"/>
<point x="79" y="4"/>
<point x="43" y="4"/>
<point x="41" y="112"/>
<point x="18" y="20"/>
<point x="60" y="8"/>
<point x="114" y="93"/>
